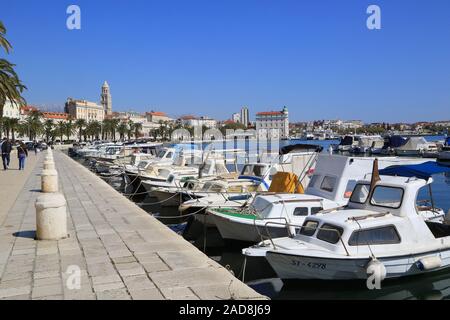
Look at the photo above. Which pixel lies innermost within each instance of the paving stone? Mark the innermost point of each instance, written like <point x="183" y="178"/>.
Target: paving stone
<point x="106" y="279"/>
<point x="11" y="292"/>
<point x="118" y="294"/>
<point x="138" y="282"/>
<point x="147" y="294"/>
<point x="108" y="286"/>
<point x="47" y="291"/>
<point x="179" y="294"/>
<point x="155" y="267"/>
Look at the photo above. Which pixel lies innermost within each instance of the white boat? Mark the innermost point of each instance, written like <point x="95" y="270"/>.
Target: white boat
<point x="331" y="186"/>
<point x="347" y="143"/>
<point x="367" y="143"/>
<point x="291" y="160"/>
<point x="416" y="146"/>
<point x="444" y="155"/>
<point x="383" y="227"/>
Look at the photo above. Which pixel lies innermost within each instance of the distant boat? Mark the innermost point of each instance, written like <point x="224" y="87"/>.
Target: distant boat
<point x="416" y="146"/>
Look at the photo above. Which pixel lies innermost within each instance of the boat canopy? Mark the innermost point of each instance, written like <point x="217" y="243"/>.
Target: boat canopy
<point x="396" y="141"/>
<point x="414" y="143"/>
<point x="347" y="141"/>
<point x="422" y="171"/>
<point x="300" y="147"/>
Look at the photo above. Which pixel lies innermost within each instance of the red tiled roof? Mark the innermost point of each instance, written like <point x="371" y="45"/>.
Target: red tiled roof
<point x="269" y="113"/>
<point x="157" y="113"/>
<point x="55" y="115"/>
<point x="28" y="108"/>
<point x="187" y="118"/>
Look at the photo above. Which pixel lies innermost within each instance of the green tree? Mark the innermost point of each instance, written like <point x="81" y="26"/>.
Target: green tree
<point x="122" y="129"/>
<point x="137" y="130"/>
<point x="11" y="87"/>
<point x="94" y="129"/>
<point x="80" y="124"/>
<point x="34" y="124"/>
<point x="130" y="130"/>
<point x="48" y="129"/>
<point x="69" y="129"/>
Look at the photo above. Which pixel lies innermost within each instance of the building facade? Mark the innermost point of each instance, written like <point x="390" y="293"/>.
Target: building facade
<point x="82" y="109"/>
<point x="11" y="110"/>
<point x="156" y="117"/>
<point x="245" y="119"/>
<point x="191" y="121"/>
<point x="273" y="124"/>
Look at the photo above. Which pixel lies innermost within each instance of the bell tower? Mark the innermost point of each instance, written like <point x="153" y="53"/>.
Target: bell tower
<point x="106" y="99"/>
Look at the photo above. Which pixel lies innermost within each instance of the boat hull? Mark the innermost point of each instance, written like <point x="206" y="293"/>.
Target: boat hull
<point x="296" y="267"/>
<point x="248" y="232"/>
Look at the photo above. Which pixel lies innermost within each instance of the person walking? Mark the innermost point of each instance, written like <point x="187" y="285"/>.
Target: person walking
<point x="35" y="146"/>
<point x="6" y="153"/>
<point x="22" y="153"/>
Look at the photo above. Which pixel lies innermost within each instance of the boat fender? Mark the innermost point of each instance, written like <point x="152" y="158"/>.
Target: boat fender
<point x="429" y="263"/>
<point x="376" y="269"/>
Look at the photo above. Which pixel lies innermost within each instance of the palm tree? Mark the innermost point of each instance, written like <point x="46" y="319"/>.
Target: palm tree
<point x="13" y="125"/>
<point x="94" y="129"/>
<point x="68" y="129"/>
<point x="122" y="129"/>
<point x="34" y="124"/>
<point x="61" y="130"/>
<point x="48" y="128"/>
<point x="137" y="130"/>
<point x="131" y="125"/>
<point x="114" y="124"/>
<point x="80" y="124"/>
<point x="11" y="87"/>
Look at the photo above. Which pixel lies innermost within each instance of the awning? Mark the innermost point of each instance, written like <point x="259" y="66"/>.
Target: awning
<point x="422" y="171"/>
<point x="300" y="147"/>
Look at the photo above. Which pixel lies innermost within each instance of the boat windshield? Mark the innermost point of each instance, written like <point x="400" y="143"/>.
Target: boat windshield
<point x="360" y="193"/>
<point x="388" y="197"/>
<point x="142" y="165"/>
<point x="254" y="170"/>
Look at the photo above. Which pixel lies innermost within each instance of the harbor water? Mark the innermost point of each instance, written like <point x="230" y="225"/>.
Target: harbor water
<point x="259" y="275"/>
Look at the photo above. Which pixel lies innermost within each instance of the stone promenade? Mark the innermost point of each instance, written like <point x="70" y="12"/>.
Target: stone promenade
<point x="118" y="250"/>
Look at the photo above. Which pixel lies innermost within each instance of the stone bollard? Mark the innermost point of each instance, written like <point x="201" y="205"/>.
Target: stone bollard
<point x="51" y="217"/>
<point x="49" y="165"/>
<point x="49" y="181"/>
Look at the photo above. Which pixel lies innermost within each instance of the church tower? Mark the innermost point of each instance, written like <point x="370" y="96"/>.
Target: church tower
<point x="106" y="99"/>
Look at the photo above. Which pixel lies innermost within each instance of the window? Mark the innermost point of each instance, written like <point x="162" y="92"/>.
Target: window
<point x="309" y="228"/>
<point x="314" y="180"/>
<point x="301" y="211"/>
<point x="328" y="184"/>
<point x="349" y="189"/>
<point x="382" y="235"/>
<point x="388" y="197"/>
<point x="330" y="233"/>
<point x="169" y="155"/>
<point x="360" y="193"/>
<point x="316" y="210"/>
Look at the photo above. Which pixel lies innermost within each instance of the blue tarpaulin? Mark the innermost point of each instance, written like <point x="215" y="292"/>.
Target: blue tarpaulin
<point x="422" y="171"/>
<point x="447" y="141"/>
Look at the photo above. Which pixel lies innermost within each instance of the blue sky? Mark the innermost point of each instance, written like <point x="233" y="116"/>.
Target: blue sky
<point x="210" y="57"/>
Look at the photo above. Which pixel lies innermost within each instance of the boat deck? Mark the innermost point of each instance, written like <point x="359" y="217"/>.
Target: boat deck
<point x="121" y="251"/>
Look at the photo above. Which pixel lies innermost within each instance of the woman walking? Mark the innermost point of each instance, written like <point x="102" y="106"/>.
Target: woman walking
<point x="22" y="153"/>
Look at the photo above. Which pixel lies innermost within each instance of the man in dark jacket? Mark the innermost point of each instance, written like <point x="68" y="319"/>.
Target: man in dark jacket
<point x="6" y="153"/>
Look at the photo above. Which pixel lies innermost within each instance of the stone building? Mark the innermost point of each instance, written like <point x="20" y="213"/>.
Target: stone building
<point x="273" y="124"/>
